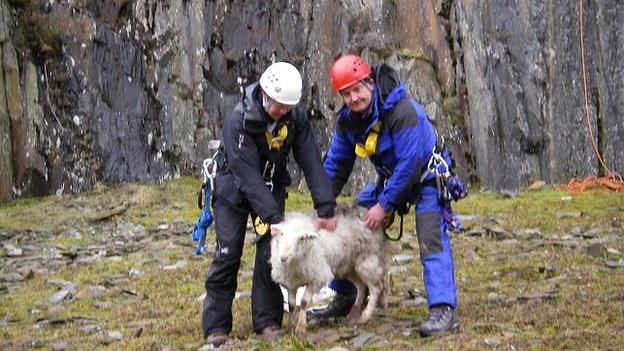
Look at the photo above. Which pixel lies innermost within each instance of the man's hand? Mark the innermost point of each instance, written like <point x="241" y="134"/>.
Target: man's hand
<point x="375" y="217"/>
<point x="328" y="224"/>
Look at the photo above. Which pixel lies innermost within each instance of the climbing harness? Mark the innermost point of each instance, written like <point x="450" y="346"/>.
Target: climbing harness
<point x="389" y="220"/>
<point x="275" y="142"/>
<point x="369" y="147"/>
<point x="209" y="170"/>
<point x="449" y="186"/>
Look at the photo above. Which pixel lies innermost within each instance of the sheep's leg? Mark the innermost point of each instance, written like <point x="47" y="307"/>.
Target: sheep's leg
<point x="385" y="291"/>
<point x="375" y="283"/>
<point x="292" y="304"/>
<point x="373" y="299"/>
<point x="302" y="322"/>
<point x="356" y="310"/>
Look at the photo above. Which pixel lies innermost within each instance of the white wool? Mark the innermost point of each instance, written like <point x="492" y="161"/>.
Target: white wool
<point x="302" y="256"/>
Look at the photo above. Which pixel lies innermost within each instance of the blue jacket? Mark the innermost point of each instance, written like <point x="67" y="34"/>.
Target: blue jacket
<point x="405" y="143"/>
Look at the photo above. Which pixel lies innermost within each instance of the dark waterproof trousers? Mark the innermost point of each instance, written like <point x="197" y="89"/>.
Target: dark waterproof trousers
<point x="266" y="297"/>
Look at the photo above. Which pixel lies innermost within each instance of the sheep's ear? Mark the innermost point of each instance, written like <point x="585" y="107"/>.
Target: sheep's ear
<point x="276" y="229"/>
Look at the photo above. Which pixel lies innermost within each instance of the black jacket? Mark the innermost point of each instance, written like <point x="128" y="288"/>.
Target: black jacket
<point x="240" y="181"/>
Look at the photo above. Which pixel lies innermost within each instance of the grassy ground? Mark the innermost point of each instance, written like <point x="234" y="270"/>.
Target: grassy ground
<point x="522" y="293"/>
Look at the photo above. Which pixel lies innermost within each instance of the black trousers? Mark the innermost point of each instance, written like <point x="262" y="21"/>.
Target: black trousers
<point x="266" y="296"/>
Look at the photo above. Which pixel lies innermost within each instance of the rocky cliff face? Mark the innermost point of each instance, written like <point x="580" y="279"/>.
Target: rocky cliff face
<point x="118" y="90"/>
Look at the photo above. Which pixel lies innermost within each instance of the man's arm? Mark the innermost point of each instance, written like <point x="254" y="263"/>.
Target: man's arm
<point x="307" y="156"/>
<point x="339" y="161"/>
<point x="413" y="139"/>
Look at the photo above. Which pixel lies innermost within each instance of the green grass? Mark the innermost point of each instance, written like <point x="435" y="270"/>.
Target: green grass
<point x="587" y="310"/>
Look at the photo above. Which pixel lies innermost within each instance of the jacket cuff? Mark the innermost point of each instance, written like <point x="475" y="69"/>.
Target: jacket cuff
<point x="386" y="204"/>
<point x="326" y="211"/>
<point x="276" y="218"/>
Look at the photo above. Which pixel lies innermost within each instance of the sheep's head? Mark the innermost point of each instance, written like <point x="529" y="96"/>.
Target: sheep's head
<point x="293" y="245"/>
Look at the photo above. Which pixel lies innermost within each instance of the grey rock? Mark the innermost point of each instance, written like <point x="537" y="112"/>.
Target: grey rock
<point x="178" y="265"/>
<point x="497" y="233"/>
<point x="135" y="273"/>
<point x="472" y="255"/>
<point x="12" y="277"/>
<point x="549" y="268"/>
<point x="60" y="296"/>
<point x="91" y="292"/>
<point x="363" y="338"/>
<point x="61" y="283"/>
<point x="494" y="297"/>
<point x="89" y="259"/>
<point x="528" y="234"/>
<point x="402" y="259"/>
<point x="616" y="264"/>
<point x="592" y="233"/>
<point x="111" y="337"/>
<point x="242" y="295"/>
<point x="90" y="329"/>
<point x="607" y="239"/>
<point x="103" y="305"/>
<point x="476" y="232"/>
<point x="418" y="301"/>
<point x="60" y="345"/>
<point x="175" y="70"/>
<point x="12" y="251"/>
<point x="73" y="233"/>
<point x="535" y="243"/>
<point x="492" y="341"/>
<point x="508" y="194"/>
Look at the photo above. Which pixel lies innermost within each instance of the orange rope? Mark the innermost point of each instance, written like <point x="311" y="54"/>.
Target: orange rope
<point x="613" y="180"/>
<point x="576" y="186"/>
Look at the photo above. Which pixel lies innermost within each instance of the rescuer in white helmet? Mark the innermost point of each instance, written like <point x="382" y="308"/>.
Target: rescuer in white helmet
<point x="257" y="138"/>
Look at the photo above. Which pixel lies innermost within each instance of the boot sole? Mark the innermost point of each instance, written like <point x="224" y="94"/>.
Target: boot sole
<point x="452" y="327"/>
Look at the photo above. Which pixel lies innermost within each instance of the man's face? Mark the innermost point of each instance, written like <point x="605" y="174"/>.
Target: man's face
<point x="358" y="96"/>
<point x="275" y="109"/>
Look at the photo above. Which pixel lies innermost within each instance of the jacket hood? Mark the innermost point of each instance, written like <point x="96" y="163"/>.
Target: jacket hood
<point x="255" y="119"/>
<point x="388" y="91"/>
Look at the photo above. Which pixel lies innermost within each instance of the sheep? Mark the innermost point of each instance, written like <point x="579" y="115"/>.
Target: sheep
<point x="302" y="256"/>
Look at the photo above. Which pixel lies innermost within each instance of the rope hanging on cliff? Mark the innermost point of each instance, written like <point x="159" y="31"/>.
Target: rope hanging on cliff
<point x="612" y="180"/>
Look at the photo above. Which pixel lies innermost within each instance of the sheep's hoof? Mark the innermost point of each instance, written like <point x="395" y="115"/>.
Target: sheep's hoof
<point x="363" y="320"/>
<point x="354" y="315"/>
<point x="293" y="318"/>
<point x="300" y="331"/>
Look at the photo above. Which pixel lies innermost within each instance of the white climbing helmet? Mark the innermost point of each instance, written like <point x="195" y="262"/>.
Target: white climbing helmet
<point x="281" y="81"/>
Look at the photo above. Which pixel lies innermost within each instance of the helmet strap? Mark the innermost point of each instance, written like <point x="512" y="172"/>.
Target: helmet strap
<point x="369" y="83"/>
<point x="267" y="102"/>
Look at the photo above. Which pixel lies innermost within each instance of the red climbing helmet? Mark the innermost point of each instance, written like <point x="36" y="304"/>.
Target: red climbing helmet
<point x="347" y="71"/>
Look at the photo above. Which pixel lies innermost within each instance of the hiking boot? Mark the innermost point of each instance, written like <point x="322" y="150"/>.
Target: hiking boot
<point x="217" y="339"/>
<point x="440" y="319"/>
<point x="338" y="307"/>
<point x="270" y="333"/>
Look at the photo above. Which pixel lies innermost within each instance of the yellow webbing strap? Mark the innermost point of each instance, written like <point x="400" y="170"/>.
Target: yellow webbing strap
<point x="389" y="220"/>
<point x="260" y="227"/>
<point x="276" y="141"/>
<point x="370" y="146"/>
